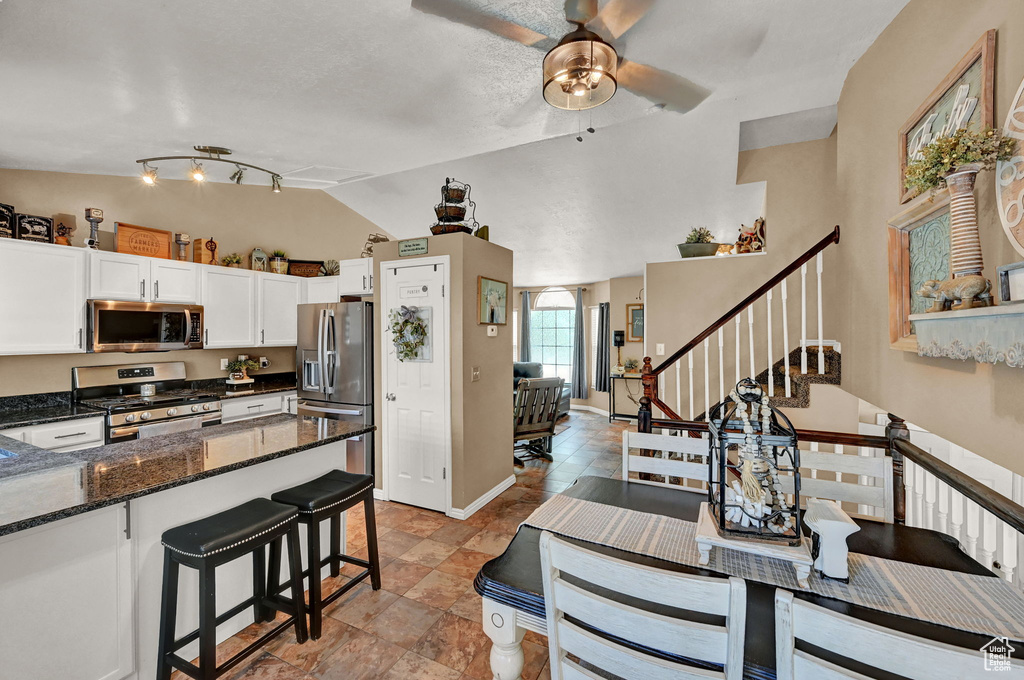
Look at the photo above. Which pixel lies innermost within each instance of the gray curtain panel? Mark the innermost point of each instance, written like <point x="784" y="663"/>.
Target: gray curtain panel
<point x="603" y="376"/>
<point x="524" y="327"/>
<point x="580" y="390"/>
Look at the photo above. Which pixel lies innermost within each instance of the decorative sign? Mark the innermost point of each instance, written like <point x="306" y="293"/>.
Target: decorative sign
<point x="413" y="246"/>
<point x="136" y="240"/>
<point x="962" y="99"/>
<point x="1009" y="176"/>
<point x="8" y="221"/>
<point x="35" y="228"/>
<point x="635" y="323"/>
<point x="492" y="298"/>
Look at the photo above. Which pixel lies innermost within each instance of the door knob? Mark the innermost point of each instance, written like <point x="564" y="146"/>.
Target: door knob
<point x="390" y="397"/>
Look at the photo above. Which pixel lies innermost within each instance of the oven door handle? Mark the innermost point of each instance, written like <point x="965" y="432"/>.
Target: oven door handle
<point x="123" y="431"/>
<point x="188" y="326"/>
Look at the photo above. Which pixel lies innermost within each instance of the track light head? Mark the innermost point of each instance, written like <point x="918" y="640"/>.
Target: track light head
<point x="236" y="176"/>
<point x="148" y="174"/>
<point x="275" y="183"/>
<point x="197" y="172"/>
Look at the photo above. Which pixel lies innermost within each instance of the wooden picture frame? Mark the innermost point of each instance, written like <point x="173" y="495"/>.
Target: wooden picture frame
<point x="982" y="51"/>
<point x="137" y="240"/>
<point x="920" y="212"/>
<point x="35" y="228"/>
<point x="491" y="301"/>
<point x="635" y="323"/>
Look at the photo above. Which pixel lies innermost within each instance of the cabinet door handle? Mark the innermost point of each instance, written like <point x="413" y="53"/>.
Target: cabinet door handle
<point x="81" y="345"/>
<point x="65" y="436"/>
<point x="255" y="406"/>
<point x="364" y="281"/>
<point x="262" y="335"/>
<point x="142" y="289"/>
<point x="371" y="281"/>
<point x="156" y="290"/>
<point x="206" y="339"/>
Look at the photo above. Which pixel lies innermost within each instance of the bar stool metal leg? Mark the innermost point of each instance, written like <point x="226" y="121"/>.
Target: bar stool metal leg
<point x="169" y="613"/>
<point x="207" y="622"/>
<point x="315" y="566"/>
<point x="335" y="545"/>
<point x="371" y="540"/>
<point x="259" y="584"/>
<point x="295" y="569"/>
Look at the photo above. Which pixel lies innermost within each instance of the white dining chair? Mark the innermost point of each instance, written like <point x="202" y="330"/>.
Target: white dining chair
<point x="684" y="458"/>
<point x="720" y="644"/>
<point x="852" y="467"/>
<point x="882" y="648"/>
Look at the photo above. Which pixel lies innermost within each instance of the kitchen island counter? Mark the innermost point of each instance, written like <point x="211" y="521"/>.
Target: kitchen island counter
<point x="36" y="484"/>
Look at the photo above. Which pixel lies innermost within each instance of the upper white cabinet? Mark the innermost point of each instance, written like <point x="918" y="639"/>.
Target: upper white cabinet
<point x="229" y="298"/>
<point x="43" y="304"/>
<point x="116" y="276"/>
<point x="356" y="276"/>
<point x="279" y="310"/>
<point x="322" y="289"/>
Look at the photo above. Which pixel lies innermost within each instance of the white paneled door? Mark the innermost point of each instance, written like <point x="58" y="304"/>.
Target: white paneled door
<point x="415" y="416"/>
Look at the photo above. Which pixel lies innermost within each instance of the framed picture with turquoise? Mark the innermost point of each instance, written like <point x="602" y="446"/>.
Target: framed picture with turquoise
<point x="492" y="301"/>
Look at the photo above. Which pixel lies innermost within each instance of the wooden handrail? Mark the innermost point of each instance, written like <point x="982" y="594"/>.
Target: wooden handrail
<point x="992" y="501"/>
<point x="833" y="237"/>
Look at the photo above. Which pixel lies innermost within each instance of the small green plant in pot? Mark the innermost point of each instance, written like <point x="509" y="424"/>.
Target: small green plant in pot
<point x="279" y="262"/>
<point x="699" y="243"/>
<point x="232" y="260"/>
<point x="238" y="369"/>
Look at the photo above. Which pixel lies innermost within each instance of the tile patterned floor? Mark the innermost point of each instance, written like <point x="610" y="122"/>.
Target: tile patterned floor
<point x="425" y="621"/>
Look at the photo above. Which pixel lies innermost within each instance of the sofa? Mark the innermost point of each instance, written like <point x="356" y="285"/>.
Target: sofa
<point x="532" y="369"/>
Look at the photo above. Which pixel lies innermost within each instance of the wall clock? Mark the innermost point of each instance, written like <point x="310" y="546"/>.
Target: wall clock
<point x="1010" y="176"/>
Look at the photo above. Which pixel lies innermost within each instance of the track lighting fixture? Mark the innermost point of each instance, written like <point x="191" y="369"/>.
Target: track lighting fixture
<point x="148" y="174"/>
<point x="212" y="154"/>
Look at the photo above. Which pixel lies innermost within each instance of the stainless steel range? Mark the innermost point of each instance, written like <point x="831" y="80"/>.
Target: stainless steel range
<point x="144" y="400"/>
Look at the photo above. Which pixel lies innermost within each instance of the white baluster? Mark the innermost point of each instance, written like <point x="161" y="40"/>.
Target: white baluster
<point x="972" y="528"/>
<point x="771" y="356"/>
<point x="986" y="537"/>
<point x="750" y="338"/>
<point x="1006" y="550"/>
<point x="679" y="389"/>
<point x="707" y="385"/>
<point x="661" y="390"/>
<point x="738" y="346"/>
<point x="785" y="335"/>
<point x="814" y="447"/>
<point x="865" y="480"/>
<point x="721" y="366"/>
<point x="919" y="476"/>
<point x="803" y="319"/>
<point x="956" y="515"/>
<point x="689" y="364"/>
<point x="942" y="508"/>
<point x="821" y="325"/>
<point x="929" y="501"/>
<point x="838" y="449"/>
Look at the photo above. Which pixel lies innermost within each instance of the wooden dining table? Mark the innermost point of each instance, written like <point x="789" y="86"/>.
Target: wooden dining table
<point x="513" y="593"/>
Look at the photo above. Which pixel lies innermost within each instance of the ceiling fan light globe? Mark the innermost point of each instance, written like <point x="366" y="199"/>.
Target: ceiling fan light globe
<point x="582" y="66"/>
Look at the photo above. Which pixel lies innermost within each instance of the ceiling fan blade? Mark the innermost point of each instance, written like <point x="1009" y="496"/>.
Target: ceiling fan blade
<point x="618" y="16"/>
<point x="580" y="11"/>
<point x="661" y="87"/>
<point x="462" y="13"/>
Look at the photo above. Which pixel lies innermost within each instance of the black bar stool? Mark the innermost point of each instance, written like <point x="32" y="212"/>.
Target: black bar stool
<point x="326" y="498"/>
<point x="208" y="543"/>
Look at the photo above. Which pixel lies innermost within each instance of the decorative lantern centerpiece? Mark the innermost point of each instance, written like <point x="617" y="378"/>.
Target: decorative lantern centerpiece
<point x="754" y="470"/>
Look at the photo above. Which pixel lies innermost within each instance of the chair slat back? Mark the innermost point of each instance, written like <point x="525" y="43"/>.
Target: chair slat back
<point x="682" y="458"/>
<point x="882" y="648"/>
<point x="586" y="611"/>
<point x="536" y="405"/>
<point x="851" y="466"/>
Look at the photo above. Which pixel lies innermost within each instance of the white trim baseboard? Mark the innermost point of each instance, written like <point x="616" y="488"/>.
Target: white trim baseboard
<point x="378" y="495"/>
<point x="592" y="409"/>
<point x="467" y="512"/>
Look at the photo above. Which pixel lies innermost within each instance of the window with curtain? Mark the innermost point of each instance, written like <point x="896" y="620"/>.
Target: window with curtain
<point x="552" y="324"/>
<point x="515" y="334"/>
<point x="594" y="315"/>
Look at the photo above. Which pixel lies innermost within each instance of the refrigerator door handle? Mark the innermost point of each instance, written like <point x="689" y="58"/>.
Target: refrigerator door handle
<point x="321" y="352"/>
<point x="331" y="343"/>
<point x="338" y="411"/>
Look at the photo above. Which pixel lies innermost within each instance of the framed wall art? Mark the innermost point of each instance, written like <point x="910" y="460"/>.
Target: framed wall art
<point x="8" y="221"/>
<point x="35" y="228"/>
<point x="635" y="323"/>
<point x="1009" y="176"/>
<point x="492" y="301"/>
<point x="136" y="240"/>
<point x="963" y="98"/>
<point x="919" y="251"/>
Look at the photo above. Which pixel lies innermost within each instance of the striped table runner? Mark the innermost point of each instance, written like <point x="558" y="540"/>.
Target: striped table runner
<point x="977" y="604"/>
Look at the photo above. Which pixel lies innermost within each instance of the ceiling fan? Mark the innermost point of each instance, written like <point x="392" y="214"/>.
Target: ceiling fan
<point x="581" y="70"/>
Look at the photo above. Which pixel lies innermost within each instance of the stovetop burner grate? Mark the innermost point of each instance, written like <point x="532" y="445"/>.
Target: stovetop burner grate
<point x="130" y="402"/>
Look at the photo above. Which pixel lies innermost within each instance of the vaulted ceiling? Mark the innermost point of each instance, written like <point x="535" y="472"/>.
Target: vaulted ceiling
<point x="392" y="100"/>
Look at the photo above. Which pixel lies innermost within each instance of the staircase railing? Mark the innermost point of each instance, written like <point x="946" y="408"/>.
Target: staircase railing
<point x="652" y="376"/>
<point x="988" y="526"/>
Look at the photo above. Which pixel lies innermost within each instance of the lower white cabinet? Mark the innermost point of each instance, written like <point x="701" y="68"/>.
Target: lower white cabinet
<point x="243" y="408"/>
<point x="67" y="603"/>
<point x="291" y="403"/>
<point x="278" y="317"/>
<point x="42" y="309"/>
<point x="62" y="436"/>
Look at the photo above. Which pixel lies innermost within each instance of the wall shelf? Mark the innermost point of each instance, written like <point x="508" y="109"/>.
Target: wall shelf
<point x="987" y="335"/>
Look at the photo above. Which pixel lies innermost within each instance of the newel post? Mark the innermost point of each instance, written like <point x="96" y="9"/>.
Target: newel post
<point x="650" y="383"/>
<point x="897" y="429"/>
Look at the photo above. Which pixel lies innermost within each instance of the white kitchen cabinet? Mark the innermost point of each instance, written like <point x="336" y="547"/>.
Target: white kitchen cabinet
<point x="321" y="289"/>
<point x="117" y="276"/>
<point x="42" y="309"/>
<point x="82" y="566"/>
<point x="291" y="403"/>
<point x="62" y="436"/>
<point x="243" y="408"/>
<point x="278" y="320"/>
<point x="229" y="299"/>
<point x="356" y="276"/>
<point x="18" y="433"/>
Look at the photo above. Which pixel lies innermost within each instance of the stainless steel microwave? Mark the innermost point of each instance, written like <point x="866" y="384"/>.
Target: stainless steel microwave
<point x="116" y="326"/>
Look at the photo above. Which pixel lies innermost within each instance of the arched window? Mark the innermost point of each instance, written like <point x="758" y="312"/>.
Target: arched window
<point x="552" y="326"/>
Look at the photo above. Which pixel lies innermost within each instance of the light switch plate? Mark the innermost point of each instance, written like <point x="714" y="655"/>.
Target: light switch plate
<point x="492" y="331"/>
<point x="474" y="374"/>
<point x="659" y="349"/>
<point x="223" y="364"/>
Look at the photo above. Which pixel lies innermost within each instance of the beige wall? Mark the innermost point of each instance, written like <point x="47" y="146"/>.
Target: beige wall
<point x="977" y="406"/>
<point x="686" y="296"/>
<point x="482" y="410"/>
<point x="307" y="223"/>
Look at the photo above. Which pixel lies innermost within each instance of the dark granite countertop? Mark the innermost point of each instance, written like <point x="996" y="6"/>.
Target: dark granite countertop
<point x="267" y="384"/>
<point x="10" y="418"/>
<point x="39" y="486"/>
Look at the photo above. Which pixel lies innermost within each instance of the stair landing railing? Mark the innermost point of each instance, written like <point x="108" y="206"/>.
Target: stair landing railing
<point x="653" y="377"/>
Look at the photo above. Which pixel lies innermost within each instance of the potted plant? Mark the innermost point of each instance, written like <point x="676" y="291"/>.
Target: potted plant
<point x="953" y="162"/>
<point x="632" y="365"/>
<point x="232" y="260"/>
<point x="279" y="262"/>
<point x="698" y="244"/>
<point x="238" y="370"/>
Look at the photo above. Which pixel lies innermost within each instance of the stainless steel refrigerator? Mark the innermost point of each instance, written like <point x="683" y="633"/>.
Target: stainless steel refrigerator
<point x="334" y="368"/>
